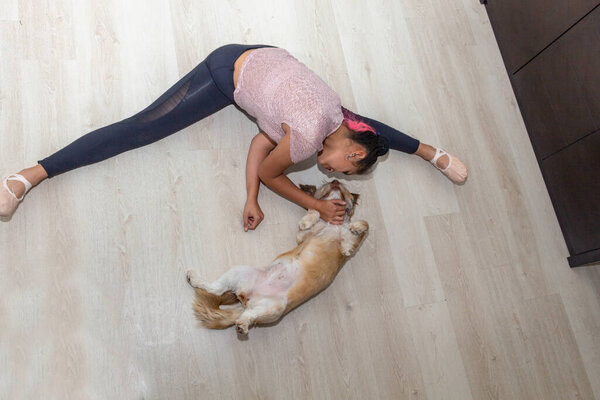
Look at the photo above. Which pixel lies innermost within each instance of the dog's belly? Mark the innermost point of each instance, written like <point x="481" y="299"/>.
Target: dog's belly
<point x="278" y="279"/>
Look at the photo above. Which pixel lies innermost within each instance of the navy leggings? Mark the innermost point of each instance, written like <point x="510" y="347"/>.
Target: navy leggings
<point x="202" y="92"/>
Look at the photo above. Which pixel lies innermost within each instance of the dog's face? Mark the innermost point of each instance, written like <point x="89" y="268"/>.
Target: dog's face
<point x="334" y="190"/>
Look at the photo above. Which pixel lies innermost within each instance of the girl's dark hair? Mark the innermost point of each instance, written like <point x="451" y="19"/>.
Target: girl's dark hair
<point x="365" y="135"/>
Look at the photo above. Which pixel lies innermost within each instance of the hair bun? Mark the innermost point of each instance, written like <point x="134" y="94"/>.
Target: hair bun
<point x="384" y="144"/>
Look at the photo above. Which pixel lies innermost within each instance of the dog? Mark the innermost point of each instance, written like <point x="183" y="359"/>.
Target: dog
<point x="245" y="296"/>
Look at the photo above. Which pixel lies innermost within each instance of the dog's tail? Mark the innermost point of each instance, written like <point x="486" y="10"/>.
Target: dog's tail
<point x="211" y="315"/>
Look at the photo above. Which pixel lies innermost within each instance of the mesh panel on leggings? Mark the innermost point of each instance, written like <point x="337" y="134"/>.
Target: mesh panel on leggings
<point x="166" y="106"/>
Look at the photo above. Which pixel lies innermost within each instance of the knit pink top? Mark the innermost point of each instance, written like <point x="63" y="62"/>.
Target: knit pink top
<point x="276" y="88"/>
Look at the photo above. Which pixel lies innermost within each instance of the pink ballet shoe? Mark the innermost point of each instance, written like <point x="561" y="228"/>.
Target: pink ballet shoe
<point x="8" y="199"/>
<point x="456" y="171"/>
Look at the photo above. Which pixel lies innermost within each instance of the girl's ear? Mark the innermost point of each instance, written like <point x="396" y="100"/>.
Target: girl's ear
<point x="309" y="189"/>
<point x="355" y="196"/>
<point x="360" y="154"/>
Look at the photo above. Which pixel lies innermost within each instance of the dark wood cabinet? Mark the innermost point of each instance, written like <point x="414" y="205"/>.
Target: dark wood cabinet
<point x="551" y="50"/>
<point x="573" y="182"/>
<point x="524" y="28"/>
<point x="559" y="90"/>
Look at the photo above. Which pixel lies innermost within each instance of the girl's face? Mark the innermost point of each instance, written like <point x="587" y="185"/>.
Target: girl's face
<point x="334" y="156"/>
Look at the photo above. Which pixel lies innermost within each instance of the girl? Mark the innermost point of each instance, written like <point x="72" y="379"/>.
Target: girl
<point x="297" y="112"/>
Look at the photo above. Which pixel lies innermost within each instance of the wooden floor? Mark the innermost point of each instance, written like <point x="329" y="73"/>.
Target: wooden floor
<point x="458" y="292"/>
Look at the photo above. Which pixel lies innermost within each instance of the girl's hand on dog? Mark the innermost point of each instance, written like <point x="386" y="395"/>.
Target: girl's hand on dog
<point x="332" y="211"/>
<point x="253" y="215"/>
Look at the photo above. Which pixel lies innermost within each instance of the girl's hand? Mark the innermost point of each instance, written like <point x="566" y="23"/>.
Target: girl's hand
<point x="253" y="215"/>
<point x="332" y="211"/>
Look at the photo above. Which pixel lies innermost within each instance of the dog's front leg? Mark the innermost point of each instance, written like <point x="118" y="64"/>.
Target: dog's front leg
<point x="301" y="235"/>
<point x="352" y="238"/>
<point x="309" y="220"/>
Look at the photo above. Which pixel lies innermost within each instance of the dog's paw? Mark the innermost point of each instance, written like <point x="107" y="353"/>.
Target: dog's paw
<point x="242" y="328"/>
<point x="310" y="218"/>
<point x="301" y="236"/>
<point x="359" y="227"/>
<point x="304" y="225"/>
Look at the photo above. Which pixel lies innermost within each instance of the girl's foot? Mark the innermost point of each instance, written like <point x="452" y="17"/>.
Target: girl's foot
<point x="14" y="187"/>
<point x="448" y="164"/>
<point x="12" y="191"/>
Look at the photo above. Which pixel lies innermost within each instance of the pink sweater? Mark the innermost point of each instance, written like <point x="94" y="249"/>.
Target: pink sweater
<point x="275" y="88"/>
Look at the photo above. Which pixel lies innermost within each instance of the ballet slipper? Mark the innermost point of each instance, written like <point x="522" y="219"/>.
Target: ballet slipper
<point x="8" y="199"/>
<point x="456" y="171"/>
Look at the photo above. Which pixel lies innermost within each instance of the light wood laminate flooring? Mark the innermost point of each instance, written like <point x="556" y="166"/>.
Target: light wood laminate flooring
<point x="457" y="293"/>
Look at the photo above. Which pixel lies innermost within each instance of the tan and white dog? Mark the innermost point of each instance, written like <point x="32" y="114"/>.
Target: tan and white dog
<point x="245" y="295"/>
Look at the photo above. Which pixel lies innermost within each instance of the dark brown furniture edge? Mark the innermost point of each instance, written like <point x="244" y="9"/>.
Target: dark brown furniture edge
<point x="589" y="257"/>
<point x="575" y="260"/>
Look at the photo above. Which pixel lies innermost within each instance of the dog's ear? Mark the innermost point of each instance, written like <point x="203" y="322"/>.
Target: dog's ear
<point x="355" y="196"/>
<point x="309" y="189"/>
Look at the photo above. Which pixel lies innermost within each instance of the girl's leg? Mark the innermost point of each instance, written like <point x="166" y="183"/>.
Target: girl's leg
<point x="193" y="98"/>
<point x="450" y="165"/>
<point x="397" y="140"/>
<point x="202" y="92"/>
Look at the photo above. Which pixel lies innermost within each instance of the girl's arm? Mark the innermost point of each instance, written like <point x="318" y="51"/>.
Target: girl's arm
<point x="260" y="147"/>
<point x="271" y="172"/>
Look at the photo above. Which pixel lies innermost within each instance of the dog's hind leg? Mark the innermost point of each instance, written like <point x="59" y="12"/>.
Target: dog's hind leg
<point x="237" y="279"/>
<point x="262" y="311"/>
